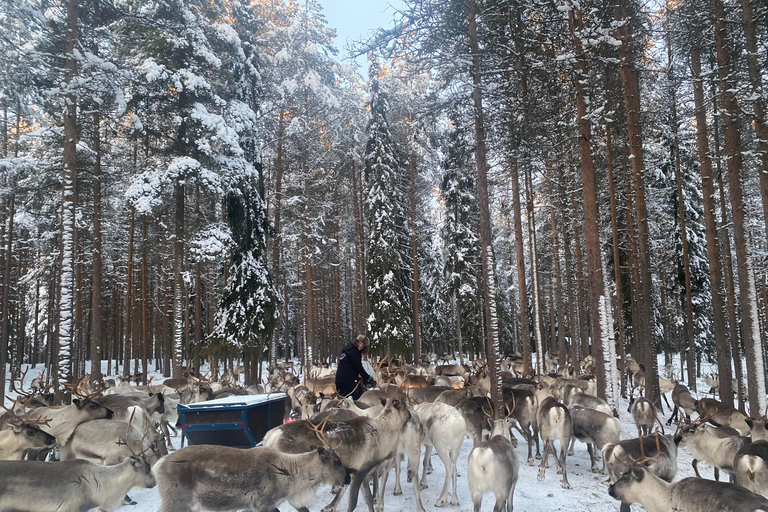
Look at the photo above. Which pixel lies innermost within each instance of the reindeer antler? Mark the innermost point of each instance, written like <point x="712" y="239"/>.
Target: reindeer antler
<point x="15" y="378"/>
<point x="24" y="417"/>
<point x="319" y="430"/>
<point x="643" y="457"/>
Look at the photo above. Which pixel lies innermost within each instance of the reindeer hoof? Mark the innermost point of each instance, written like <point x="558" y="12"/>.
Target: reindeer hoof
<point x="559" y="471"/>
<point x="455" y="502"/>
<point x="541" y="475"/>
<point x="529" y="462"/>
<point x="128" y="501"/>
<point x="570" y="453"/>
<point x="440" y="502"/>
<point x="566" y="485"/>
<point x="397" y="492"/>
<point x="538" y="456"/>
<point x="595" y="469"/>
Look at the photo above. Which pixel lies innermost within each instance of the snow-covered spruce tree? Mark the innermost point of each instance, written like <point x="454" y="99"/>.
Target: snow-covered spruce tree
<point x="389" y="322"/>
<point x="460" y="239"/>
<point x="248" y="308"/>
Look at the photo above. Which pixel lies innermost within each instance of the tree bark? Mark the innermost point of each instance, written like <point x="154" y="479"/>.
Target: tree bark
<point x="595" y="281"/>
<point x="276" y="239"/>
<point x="747" y="291"/>
<point x="178" y="281"/>
<point x="632" y="105"/>
<point x="69" y="178"/>
<point x="710" y="224"/>
<point x="97" y="331"/>
<point x="491" y="322"/>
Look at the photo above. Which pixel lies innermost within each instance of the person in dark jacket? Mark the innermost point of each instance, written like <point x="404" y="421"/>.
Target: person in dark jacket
<point x="351" y="377"/>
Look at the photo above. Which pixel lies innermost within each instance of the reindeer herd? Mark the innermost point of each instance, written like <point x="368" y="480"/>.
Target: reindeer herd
<point x="112" y="438"/>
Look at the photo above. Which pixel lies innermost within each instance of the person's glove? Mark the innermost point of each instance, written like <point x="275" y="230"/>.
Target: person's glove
<point x="370" y="383"/>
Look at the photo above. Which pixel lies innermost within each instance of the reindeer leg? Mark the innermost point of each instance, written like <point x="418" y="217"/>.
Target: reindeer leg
<point x="398" y="490"/>
<point x="413" y="470"/>
<point x="566" y="485"/>
<point x="593" y="467"/>
<point x="695" y="469"/>
<point x="543" y="465"/>
<point x="427" y="453"/>
<point x="665" y="399"/>
<point x="354" y="488"/>
<point x="674" y="415"/>
<point x="571" y="445"/>
<point x="331" y="507"/>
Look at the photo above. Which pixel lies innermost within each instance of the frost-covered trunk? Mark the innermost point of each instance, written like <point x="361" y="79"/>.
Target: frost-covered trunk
<point x="178" y="280"/>
<point x="608" y="341"/>
<point x="710" y="225"/>
<point x="492" y="336"/>
<point x="629" y="78"/>
<point x="582" y="348"/>
<point x="69" y="160"/>
<point x="573" y="330"/>
<point x="129" y="300"/>
<point x="360" y="312"/>
<point x="747" y="294"/>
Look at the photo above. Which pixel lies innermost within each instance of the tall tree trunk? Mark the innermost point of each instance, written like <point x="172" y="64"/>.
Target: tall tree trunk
<point x="710" y="225"/>
<point x="129" y="300"/>
<point x="747" y="292"/>
<point x="616" y="258"/>
<point x="573" y="330"/>
<point x="69" y="178"/>
<point x="146" y="339"/>
<point x="309" y="317"/>
<point x="583" y="348"/>
<point x="690" y="342"/>
<point x="600" y="339"/>
<point x="178" y="281"/>
<point x="198" y="304"/>
<point x="415" y="262"/>
<point x="558" y="285"/>
<point x="97" y="331"/>
<point x="491" y="322"/>
<point x="6" y="321"/>
<point x="360" y="319"/>
<point x="631" y="88"/>
<point x="535" y="288"/>
<point x="276" y="238"/>
<point x="522" y="291"/>
<point x="756" y="83"/>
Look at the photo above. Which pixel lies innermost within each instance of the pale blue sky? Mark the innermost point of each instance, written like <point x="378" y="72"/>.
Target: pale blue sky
<point x="353" y="19"/>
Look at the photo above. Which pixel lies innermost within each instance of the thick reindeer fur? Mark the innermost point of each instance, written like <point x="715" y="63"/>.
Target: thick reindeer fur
<point x="444" y="429"/>
<point x="493" y="466"/>
<point x="63" y="421"/>
<point x="363" y="444"/>
<point x="751" y="467"/>
<point x="224" y="479"/>
<point x="644" y="413"/>
<point x="682" y="399"/>
<point x="111" y="441"/>
<point x="590" y="402"/>
<point x="716" y="446"/>
<point x="619" y="457"/>
<point x="71" y="486"/>
<point x="693" y="494"/>
<point x="596" y="429"/>
<point x="554" y="422"/>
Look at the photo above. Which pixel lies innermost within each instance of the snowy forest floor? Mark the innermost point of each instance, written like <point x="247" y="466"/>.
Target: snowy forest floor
<point x="588" y="492"/>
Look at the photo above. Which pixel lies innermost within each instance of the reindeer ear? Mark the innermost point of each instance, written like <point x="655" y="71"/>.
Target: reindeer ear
<point x="77" y="402"/>
<point x="750" y="422"/>
<point x="384" y="402"/>
<point x="638" y="474"/>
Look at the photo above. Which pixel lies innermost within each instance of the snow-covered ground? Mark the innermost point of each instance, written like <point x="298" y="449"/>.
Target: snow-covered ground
<point x="588" y="492"/>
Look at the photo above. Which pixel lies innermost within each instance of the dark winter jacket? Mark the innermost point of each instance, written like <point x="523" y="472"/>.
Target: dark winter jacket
<point x="350" y="370"/>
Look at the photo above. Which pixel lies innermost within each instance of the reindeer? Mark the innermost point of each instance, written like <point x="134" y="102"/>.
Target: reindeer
<point x="554" y="421"/>
<point x="750" y="467"/>
<point x="659" y="453"/>
<point x="720" y="414"/>
<point x="493" y="466"/>
<point x="644" y="413"/>
<point x="715" y="446"/>
<point x="596" y="429"/>
<point x="363" y="444"/>
<point x="74" y="485"/>
<point x="590" y="402"/>
<point x="682" y="399"/>
<point x="111" y="441"/>
<point x="523" y="406"/>
<point x="61" y="423"/>
<point x="221" y="478"/>
<point x="641" y="485"/>
<point x="444" y="429"/>
<point x="20" y="434"/>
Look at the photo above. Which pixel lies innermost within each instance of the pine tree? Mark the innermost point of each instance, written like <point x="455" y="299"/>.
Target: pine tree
<point x="248" y="309"/>
<point x="389" y="322"/>
<point x="460" y="238"/>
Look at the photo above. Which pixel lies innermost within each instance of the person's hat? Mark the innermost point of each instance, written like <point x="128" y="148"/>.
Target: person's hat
<point x="362" y="339"/>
